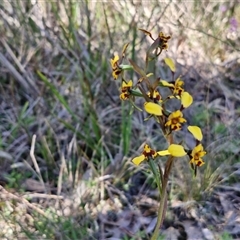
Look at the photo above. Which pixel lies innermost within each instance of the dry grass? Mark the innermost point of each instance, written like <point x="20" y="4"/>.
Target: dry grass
<point x="56" y="83"/>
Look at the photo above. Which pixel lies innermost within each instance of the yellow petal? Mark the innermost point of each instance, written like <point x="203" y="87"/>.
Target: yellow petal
<point x="163" y="153"/>
<point x="179" y="82"/>
<point x="138" y="160"/>
<point x="153" y="108"/>
<point x="115" y="76"/>
<point x="176" y="114"/>
<point x="196" y="132"/>
<point x="123" y="96"/>
<point x="176" y="150"/>
<point x="186" y="99"/>
<point x="114" y="60"/>
<point x="170" y="63"/>
<point x="199" y="148"/>
<point x="166" y="84"/>
<point x="129" y="84"/>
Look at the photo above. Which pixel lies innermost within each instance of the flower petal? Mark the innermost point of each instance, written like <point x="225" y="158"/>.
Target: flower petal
<point x="176" y="150"/>
<point x="124" y="96"/>
<point x="186" y="99"/>
<point x="200" y="150"/>
<point x="138" y="160"/>
<point x="166" y="84"/>
<point x="196" y="132"/>
<point x="163" y="153"/>
<point x="200" y="162"/>
<point x="170" y="63"/>
<point x="153" y="108"/>
<point x="128" y="84"/>
<point x="114" y="61"/>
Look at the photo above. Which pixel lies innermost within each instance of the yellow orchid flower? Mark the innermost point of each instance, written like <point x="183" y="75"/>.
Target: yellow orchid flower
<point x="125" y="90"/>
<point x="174" y="149"/>
<point x="156" y="97"/>
<point x="116" y="70"/>
<point x="174" y="120"/>
<point x="178" y="87"/>
<point x="197" y="154"/>
<point x="163" y="41"/>
<point x="147" y="153"/>
<point x="114" y="61"/>
<point x="160" y="42"/>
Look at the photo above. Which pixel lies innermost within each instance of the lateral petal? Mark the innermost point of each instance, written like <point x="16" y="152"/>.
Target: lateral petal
<point x="196" y="132"/>
<point x="176" y="150"/>
<point x="138" y="160"/>
<point x="153" y="108"/>
<point x="186" y="99"/>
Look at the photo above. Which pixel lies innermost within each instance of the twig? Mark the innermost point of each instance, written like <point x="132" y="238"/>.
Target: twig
<point x="42" y="195"/>
<point x="60" y="177"/>
<point x="35" y="162"/>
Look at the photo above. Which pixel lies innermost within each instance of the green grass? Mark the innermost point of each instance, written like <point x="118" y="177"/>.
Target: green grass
<point x="56" y="83"/>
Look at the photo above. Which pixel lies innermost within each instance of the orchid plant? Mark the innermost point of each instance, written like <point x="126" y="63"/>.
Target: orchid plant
<point x="170" y="121"/>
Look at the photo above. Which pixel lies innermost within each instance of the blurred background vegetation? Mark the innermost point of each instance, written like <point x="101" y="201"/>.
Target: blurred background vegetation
<point x="75" y="180"/>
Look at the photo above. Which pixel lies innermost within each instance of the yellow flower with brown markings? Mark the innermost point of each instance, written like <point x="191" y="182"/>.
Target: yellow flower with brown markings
<point x="125" y="90"/>
<point x="116" y="70"/>
<point x="146" y="154"/>
<point x="160" y="42"/>
<point x="197" y="154"/>
<point x="175" y="119"/>
<point x="163" y="41"/>
<point x="155" y="96"/>
<point x="174" y="149"/>
<point x="178" y="87"/>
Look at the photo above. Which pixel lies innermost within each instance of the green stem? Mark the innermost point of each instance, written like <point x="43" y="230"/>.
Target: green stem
<point x="160" y="216"/>
<point x="163" y="203"/>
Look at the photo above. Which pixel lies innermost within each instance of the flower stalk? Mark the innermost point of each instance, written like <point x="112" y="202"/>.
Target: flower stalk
<point x="169" y="121"/>
<point x="162" y="209"/>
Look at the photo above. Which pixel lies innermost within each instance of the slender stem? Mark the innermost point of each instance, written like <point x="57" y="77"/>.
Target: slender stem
<point x="160" y="212"/>
<point x="163" y="202"/>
